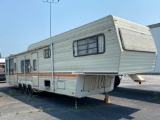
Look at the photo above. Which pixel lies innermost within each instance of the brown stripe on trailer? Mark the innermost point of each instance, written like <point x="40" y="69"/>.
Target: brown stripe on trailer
<point x="46" y="75"/>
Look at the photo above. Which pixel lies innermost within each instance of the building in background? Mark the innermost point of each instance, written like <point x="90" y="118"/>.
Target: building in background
<point x="155" y="30"/>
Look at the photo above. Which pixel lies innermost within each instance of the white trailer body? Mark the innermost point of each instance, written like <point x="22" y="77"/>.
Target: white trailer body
<point x="84" y="61"/>
<point x="155" y="30"/>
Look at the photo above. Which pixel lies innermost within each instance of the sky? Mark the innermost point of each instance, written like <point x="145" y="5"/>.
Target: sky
<point x="24" y="22"/>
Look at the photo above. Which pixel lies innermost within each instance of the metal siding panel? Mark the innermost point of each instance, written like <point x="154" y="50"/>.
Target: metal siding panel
<point x="137" y="62"/>
<point x="63" y="51"/>
<point x="107" y="62"/>
<point x="122" y="23"/>
<point x="70" y="86"/>
<point x="44" y="63"/>
<point x="77" y="33"/>
<point x="156" y="35"/>
<point x="132" y="62"/>
<point x="80" y="84"/>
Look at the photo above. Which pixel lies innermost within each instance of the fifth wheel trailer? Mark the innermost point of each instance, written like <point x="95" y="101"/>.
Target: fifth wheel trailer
<point x="155" y="30"/>
<point x="84" y="61"/>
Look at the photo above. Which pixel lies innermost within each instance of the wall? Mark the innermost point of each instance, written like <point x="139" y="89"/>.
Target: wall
<point x="156" y="35"/>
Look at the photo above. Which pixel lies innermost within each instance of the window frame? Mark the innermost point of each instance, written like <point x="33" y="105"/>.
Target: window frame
<point x="47" y="51"/>
<point x="24" y="66"/>
<point x="35" y="65"/>
<point x="97" y="45"/>
<point x="136" y="49"/>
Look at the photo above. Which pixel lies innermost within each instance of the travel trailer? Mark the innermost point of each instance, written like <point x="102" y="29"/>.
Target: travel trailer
<point x="86" y="60"/>
<point x="155" y="30"/>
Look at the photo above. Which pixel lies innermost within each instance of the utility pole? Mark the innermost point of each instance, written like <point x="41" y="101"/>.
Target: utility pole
<point x="50" y="2"/>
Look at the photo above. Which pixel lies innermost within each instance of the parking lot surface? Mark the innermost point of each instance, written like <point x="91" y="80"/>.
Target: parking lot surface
<point x="128" y="101"/>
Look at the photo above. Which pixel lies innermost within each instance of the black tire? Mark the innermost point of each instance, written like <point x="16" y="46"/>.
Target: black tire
<point x="117" y="81"/>
<point x="20" y="88"/>
<point x="30" y="91"/>
<point x="25" y="89"/>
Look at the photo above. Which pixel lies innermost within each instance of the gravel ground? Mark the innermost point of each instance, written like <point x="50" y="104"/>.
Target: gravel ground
<point x="128" y="101"/>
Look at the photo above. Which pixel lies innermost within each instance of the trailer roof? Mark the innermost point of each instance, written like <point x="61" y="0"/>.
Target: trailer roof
<point x="56" y="38"/>
<point x="154" y="25"/>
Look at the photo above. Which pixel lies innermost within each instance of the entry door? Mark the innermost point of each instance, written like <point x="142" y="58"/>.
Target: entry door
<point x="11" y="71"/>
<point x="34" y="62"/>
<point x="15" y="72"/>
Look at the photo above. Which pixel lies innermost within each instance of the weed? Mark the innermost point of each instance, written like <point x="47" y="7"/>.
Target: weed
<point x="17" y="93"/>
<point x="17" y="113"/>
<point x="14" y="93"/>
<point x="48" y="109"/>
<point x="30" y="111"/>
<point x="40" y="109"/>
<point x="154" y="97"/>
<point x="28" y="97"/>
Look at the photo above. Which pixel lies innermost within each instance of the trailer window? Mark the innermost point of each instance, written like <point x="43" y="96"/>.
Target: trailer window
<point x="47" y="53"/>
<point x="89" y="46"/>
<point x="25" y="66"/>
<point x="136" y="41"/>
<point x="35" y="65"/>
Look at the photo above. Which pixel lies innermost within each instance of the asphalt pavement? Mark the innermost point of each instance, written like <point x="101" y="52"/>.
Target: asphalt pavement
<point x="129" y="101"/>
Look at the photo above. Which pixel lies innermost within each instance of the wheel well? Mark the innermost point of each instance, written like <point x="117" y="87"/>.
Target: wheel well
<point x="117" y="81"/>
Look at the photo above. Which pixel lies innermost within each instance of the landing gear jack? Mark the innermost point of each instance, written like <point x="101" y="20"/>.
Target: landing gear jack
<point x="75" y="103"/>
<point x="107" y="99"/>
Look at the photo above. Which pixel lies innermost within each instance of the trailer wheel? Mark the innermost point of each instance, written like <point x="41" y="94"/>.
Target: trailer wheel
<point x="117" y="81"/>
<point x="20" y="88"/>
<point x="25" y="89"/>
<point x="30" y="90"/>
